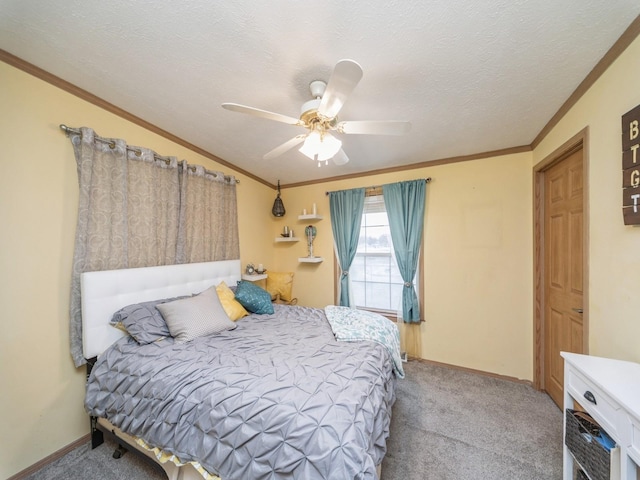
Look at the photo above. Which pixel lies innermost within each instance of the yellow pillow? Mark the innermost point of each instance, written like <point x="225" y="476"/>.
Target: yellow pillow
<point x="280" y="283"/>
<point x="231" y="306"/>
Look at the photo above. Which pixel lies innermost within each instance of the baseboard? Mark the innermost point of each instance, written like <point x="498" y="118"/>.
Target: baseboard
<point x="472" y="370"/>
<point x="51" y="458"/>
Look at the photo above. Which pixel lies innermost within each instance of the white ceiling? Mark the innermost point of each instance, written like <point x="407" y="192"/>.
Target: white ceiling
<point x="470" y="75"/>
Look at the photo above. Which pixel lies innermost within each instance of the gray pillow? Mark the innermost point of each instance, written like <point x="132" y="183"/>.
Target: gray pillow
<point x="196" y="316"/>
<point x="143" y="321"/>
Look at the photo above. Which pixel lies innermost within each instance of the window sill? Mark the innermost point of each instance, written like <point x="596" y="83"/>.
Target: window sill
<point x="393" y="316"/>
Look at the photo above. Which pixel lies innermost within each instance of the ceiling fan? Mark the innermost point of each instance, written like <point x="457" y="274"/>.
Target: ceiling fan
<point x="320" y="117"/>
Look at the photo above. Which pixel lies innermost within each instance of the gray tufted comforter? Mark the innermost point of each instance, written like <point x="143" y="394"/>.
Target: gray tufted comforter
<point x="276" y="398"/>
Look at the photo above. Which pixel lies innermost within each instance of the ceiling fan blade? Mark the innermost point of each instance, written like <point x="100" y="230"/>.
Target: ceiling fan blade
<point x="340" y="158"/>
<point x="286" y="146"/>
<point x="374" y="127"/>
<point x="235" y="107"/>
<point x="344" y="79"/>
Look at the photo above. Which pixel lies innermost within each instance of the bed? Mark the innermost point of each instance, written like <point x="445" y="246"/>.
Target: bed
<point x="274" y="396"/>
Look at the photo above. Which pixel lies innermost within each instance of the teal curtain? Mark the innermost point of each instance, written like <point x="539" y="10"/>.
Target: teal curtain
<point x="405" y="204"/>
<point x="346" y="216"/>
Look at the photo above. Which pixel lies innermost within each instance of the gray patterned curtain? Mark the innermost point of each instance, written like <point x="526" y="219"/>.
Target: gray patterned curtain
<point x="209" y="231"/>
<point x="137" y="209"/>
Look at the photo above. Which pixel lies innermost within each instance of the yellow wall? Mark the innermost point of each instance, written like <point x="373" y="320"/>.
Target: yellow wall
<point x="614" y="255"/>
<point x="41" y="393"/>
<point x="477" y="260"/>
<point x="478" y="249"/>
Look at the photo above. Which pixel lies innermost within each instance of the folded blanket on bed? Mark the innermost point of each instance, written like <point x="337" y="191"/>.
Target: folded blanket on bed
<point x="352" y="325"/>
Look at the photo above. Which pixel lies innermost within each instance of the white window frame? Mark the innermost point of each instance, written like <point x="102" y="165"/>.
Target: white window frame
<point x="418" y="281"/>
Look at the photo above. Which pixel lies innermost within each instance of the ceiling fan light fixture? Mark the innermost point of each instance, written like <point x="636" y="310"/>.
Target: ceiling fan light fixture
<point x="320" y="146"/>
<point x="319" y="116"/>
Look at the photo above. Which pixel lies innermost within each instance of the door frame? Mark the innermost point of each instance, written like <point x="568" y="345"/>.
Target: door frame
<point x="580" y="140"/>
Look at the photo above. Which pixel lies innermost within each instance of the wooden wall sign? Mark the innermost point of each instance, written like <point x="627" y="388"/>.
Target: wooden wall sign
<point x="631" y="167"/>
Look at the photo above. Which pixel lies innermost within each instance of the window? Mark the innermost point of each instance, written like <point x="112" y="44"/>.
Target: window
<point x="375" y="278"/>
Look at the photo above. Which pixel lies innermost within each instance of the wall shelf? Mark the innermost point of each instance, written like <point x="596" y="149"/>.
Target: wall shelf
<point x="254" y="278"/>
<point x="287" y="239"/>
<point x="310" y="216"/>
<point x="310" y="259"/>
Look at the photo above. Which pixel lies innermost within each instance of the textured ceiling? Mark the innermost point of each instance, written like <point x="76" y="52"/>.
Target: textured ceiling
<point x="471" y="76"/>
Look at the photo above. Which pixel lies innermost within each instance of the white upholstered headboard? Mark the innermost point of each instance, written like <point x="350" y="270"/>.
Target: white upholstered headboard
<point x="105" y="292"/>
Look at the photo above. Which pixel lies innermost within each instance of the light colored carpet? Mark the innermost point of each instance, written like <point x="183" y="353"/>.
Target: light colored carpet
<point x="447" y="425"/>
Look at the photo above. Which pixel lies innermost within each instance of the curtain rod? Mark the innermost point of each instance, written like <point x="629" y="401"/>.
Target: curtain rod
<point x="373" y="187"/>
<point x="138" y="152"/>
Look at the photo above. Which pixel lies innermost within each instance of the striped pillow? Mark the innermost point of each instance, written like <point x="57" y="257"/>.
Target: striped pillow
<point x="196" y="316"/>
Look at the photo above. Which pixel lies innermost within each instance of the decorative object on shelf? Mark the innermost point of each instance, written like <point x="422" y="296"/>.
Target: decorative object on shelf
<point x="310" y="232"/>
<point x="286" y="232"/>
<point x="314" y="211"/>
<point x="278" y="207"/>
<point x="260" y="270"/>
<point x="250" y="270"/>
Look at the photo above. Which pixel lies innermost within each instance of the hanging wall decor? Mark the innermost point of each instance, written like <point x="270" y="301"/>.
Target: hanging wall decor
<point x="278" y="207"/>
<point x="631" y="167"/>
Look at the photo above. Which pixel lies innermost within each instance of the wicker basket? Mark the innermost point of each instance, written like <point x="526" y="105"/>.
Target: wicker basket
<point x="590" y="454"/>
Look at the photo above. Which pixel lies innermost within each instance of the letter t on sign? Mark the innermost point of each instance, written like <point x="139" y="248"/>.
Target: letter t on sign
<point x="630" y="170"/>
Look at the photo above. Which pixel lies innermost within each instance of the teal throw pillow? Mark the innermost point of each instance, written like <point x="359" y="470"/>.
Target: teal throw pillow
<point x="254" y="298"/>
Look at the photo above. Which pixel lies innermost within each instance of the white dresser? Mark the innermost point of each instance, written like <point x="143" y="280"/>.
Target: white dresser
<point x="609" y="390"/>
